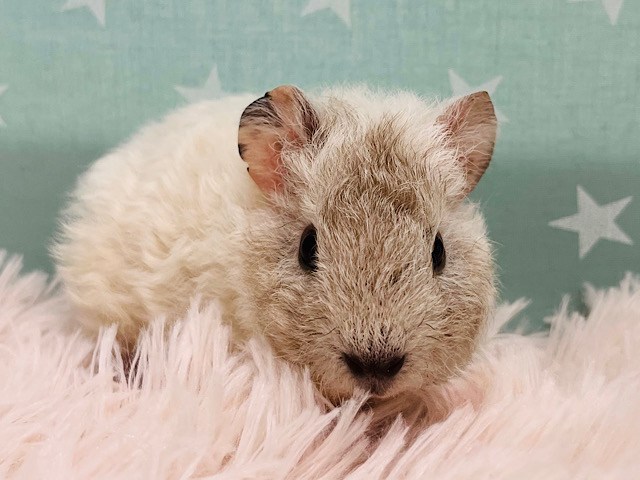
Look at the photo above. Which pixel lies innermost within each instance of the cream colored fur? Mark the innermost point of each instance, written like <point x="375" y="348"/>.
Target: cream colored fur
<point x="563" y="406"/>
<point x="158" y="221"/>
<point x="173" y="214"/>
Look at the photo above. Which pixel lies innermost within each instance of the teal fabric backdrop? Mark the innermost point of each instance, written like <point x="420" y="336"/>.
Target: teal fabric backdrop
<point x="561" y="197"/>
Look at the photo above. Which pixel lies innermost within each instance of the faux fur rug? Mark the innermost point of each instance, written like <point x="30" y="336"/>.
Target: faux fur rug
<point x="562" y="406"/>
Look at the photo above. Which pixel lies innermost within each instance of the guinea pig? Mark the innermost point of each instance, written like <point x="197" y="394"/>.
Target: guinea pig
<point x="336" y="226"/>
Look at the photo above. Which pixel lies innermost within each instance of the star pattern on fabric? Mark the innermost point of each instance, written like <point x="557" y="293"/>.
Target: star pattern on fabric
<point x="211" y="90"/>
<point x="340" y="7"/>
<point x="460" y="87"/>
<point x="612" y="8"/>
<point x="97" y="7"/>
<point x="593" y="222"/>
<point x="3" y="88"/>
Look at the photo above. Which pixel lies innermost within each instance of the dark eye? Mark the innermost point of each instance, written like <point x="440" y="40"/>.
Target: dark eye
<point x="307" y="255"/>
<point x="438" y="255"/>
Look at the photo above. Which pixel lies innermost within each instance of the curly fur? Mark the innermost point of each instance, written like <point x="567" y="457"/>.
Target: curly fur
<point x="173" y="214"/>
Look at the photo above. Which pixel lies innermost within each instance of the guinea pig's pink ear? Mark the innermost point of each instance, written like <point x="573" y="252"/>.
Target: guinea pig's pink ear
<point x="283" y="118"/>
<point x="471" y="125"/>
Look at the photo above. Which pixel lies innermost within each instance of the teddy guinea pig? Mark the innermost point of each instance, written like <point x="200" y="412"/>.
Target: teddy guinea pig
<point x="335" y="226"/>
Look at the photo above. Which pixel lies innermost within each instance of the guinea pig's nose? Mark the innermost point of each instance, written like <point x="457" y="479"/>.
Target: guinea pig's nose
<point x="381" y="368"/>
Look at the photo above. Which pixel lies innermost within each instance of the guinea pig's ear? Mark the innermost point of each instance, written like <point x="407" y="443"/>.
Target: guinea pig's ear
<point x="283" y="118"/>
<point x="471" y="125"/>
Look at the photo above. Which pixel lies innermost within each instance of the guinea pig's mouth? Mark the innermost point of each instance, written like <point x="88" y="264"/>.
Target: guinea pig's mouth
<point x="378" y="388"/>
<point x="374" y="389"/>
<point x="372" y="393"/>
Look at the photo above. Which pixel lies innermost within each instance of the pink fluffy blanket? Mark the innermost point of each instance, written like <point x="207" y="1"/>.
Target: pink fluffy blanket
<point x="564" y="405"/>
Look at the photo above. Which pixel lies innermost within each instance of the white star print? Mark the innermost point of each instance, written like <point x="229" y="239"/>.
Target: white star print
<point x="96" y="6"/>
<point x="611" y="6"/>
<point x="460" y="87"/>
<point x="211" y="89"/>
<point x="593" y="222"/>
<point x="2" y="90"/>
<point x="340" y="7"/>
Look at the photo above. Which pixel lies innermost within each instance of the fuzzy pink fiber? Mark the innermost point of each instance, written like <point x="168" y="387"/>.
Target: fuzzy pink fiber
<point x="565" y="405"/>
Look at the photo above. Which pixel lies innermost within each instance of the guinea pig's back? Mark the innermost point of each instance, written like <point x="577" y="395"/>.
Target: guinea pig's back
<point x="159" y="220"/>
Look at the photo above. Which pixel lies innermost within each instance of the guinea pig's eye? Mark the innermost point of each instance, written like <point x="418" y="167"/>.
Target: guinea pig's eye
<point x="438" y="255"/>
<point x="307" y="256"/>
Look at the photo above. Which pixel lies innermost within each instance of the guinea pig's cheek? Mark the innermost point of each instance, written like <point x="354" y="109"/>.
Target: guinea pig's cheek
<point x="453" y="354"/>
<point x="282" y="343"/>
<point x="334" y="387"/>
<point x="336" y="396"/>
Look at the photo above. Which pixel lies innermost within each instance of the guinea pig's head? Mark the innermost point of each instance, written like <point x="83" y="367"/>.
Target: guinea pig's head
<point x="367" y="265"/>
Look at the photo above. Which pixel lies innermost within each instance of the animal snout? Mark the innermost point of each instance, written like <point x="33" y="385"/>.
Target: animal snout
<point x="381" y="367"/>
